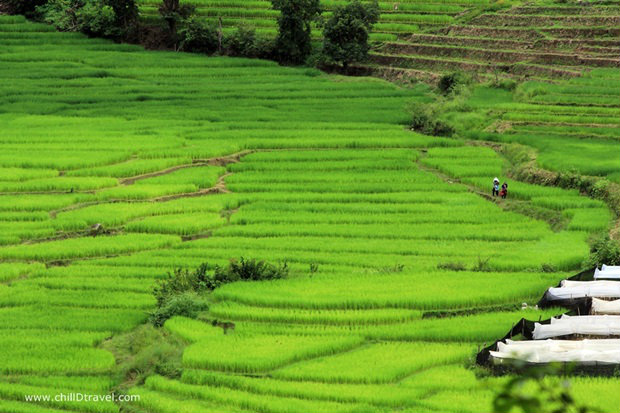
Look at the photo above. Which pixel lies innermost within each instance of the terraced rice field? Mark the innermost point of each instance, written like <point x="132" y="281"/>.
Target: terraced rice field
<point x="544" y="40"/>
<point x="397" y="18"/>
<point x="184" y="159"/>
<point x="569" y="129"/>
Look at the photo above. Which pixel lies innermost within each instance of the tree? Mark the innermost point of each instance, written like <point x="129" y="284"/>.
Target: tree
<point x="174" y="13"/>
<point x="126" y="12"/>
<point x="346" y="32"/>
<point x="293" y="41"/>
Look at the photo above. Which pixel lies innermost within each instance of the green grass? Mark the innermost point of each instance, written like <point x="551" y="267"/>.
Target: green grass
<point x="402" y="290"/>
<point x="11" y="271"/>
<point x="259" y="353"/>
<point x="181" y="224"/>
<point x="375" y="363"/>
<point x="86" y="247"/>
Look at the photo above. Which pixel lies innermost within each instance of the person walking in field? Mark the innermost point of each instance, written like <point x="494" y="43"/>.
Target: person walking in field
<point x="504" y="191"/>
<point x="495" y="187"/>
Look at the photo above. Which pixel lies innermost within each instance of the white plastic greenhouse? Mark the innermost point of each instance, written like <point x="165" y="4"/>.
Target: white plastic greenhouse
<point x="581" y="289"/>
<point x="594" y="325"/>
<point x="589" y="337"/>
<point x="605" y="307"/>
<point x="584" y="352"/>
<point x="607" y="272"/>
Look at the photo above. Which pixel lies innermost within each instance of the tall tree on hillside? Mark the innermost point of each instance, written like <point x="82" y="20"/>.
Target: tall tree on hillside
<point x="293" y="42"/>
<point x="126" y="12"/>
<point x="346" y="32"/>
<point x="173" y="13"/>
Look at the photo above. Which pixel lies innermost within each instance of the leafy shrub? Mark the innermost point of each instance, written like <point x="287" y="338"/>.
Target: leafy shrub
<point x="482" y="264"/>
<point x="265" y="47"/>
<point x="246" y="43"/>
<point x="425" y="119"/>
<point x="241" y="42"/>
<point x="180" y="293"/>
<point x="199" y="36"/>
<point x="507" y="84"/>
<point x="452" y="83"/>
<point x="187" y="304"/>
<point x="92" y="17"/>
<point x="252" y="270"/>
<point x="98" y="19"/>
<point x="181" y="281"/>
<point x="537" y="389"/>
<point x="603" y="250"/>
<point x="451" y="266"/>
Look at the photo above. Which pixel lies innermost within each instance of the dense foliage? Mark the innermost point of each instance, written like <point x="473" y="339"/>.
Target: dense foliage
<point x="537" y="389"/>
<point x="347" y="31"/>
<point x="199" y="36"/>
<point x="180" y="293"/>
<point x="604" y="251"/>
<point x="425" y="118"/>
<point x="107" y="18"/>
<point x="293" y="42"/>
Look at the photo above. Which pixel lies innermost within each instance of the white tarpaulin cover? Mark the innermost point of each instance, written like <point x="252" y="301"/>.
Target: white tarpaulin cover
<point x="605" y="307"/>
<point x="607" y="272"/>
<point x="610" y="267"/>
<point x="605" y="351"/>
<point x="581" y="289"/>
<point x="573" y="284"/>
<point x="592" y="325"/>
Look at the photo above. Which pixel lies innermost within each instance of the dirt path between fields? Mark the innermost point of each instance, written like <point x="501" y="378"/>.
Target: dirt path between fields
<point x="218" y="188"/>
<point x="557" y="222"/>
<point x="216" y="161"/>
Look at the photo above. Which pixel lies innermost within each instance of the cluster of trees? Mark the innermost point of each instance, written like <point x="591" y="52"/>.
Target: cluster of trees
<point x="345" y="33"/>
<point x="107" y="18"/>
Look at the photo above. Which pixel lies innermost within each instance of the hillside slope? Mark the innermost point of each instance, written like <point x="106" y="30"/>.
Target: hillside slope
<point x="184" y="159"/>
